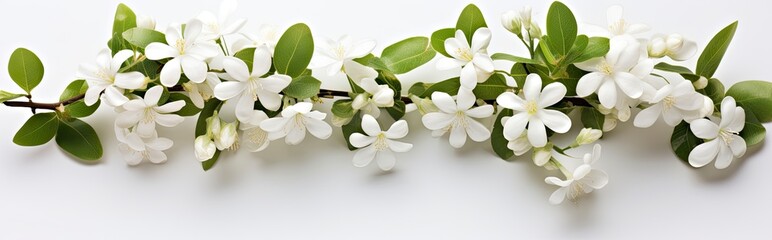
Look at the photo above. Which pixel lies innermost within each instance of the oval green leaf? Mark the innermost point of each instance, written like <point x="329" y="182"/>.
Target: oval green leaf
<point x="303" y="87"/>
<point x="498" y="142"/>
<point x="683" y="141"/>
<point x="25" y="69"/>
<point x="714" y="51"/>
<point x="407" y="54"/>
<point x="561" y="28"/>
<point x="141" y="37"/>
<point x="77" y="109"/>
<point x="754" y="96"/>
<point x="78" y="138"/>
<point x="6" y="96"/>
<point x="293" y="51"/>
<point x="125" y="19"/>
<point x="38" y="130"/>
<point x="470" y="20"/>
<point x="438" y="40"/>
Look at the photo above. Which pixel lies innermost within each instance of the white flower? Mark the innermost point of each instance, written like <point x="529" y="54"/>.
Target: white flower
<point x="227" y="135"/>
<point x="587" y="136"/>
<point x="293" y="123"/>
<point x="617" y="25"/>
<point x="476" y="65"/>
<point x="673" y="46"/>
<point x="512" y="22"/>
<point x="619" y="72"/>
<point x="375" y="95"/>
<point x="674" y="102"/>
<point x="136" y="148"/>
<point x="145" y="22"/>
<point x="249" y="87"/>
<point x="221" y="25"/>
<point x="520" y="145"/>
<point x="187" y="51"/>
<point x="583" y="180"/>
<point x="531" y="111"/>
<point x="204" y="147"/>
<point x="267" y="35"/>
<point x="104" y="76"/>
<point x="457" y="117"/>
<point x="377" y="144"/>
<point x="722" y="141"/>
<point x="335" y="54"/>
<point x="254" y="138"/>
<point x="201" y="92"/>
<point x="145" y="113"/>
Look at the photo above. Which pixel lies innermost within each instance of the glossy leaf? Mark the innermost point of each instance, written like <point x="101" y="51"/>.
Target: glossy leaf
<point x="397" y="111"/>
<point x="498" y="142"/>
<point x="491" y="88"/>
<point x="683" y="141"/>
<point x="438" y="40"/>
<point x="77" y="109"/>
<point x="753" y="132"/>
<point x="293" y="50"/>
<point x="25" y="69"/>
<point x="189" y="109"/>
<point x="124" y="20"/>
<point x="38" y="130"/>
<point x="342" y="108"/>
<point x="470" y="20"/>
<point x="208" y="110"/>
<point x="754" y="96"/>
<point x="714" y="51"/>
<point x="141" y="37"/>
<point x="561" y="28"/>
<point x="7" y="96"/>
<point x="408" y="54"/>
<point x="596" y="47"/>
<point x="303" y="87"/>
<point x="78" y="138"/>
<point x="592" y="118"/>
<point x="355" y="125"/>
<point x="663" y="66"/>
<point x="513" y="58"/>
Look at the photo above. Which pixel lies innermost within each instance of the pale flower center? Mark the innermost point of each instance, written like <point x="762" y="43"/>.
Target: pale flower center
<point x="606" y="68"/>
<point x="149" y="116"/>
<point x="256" y="135"/>
<point x="253" y="85"/>
<point x="576" y="191"/>
<point x="339" y="51"/>
<point x="465" y="54"/>
<point x="725" y="136"/>
<point x="460" y="120"/>
<point x="180" y="46"/>
<point x="669" y="102"/>
<point x="618" y="27"/>
<point x="380" y="143"/>
<point x="300" y="122"/>
<point x="531" y="108"/>
<point x="103" y="74"/>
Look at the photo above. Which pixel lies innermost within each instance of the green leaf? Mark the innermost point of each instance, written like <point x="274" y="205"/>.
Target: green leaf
<point x="247" y="55"/>
<point x="6" y="96"/>
<point x="208" y="110"/>
<point x="397" y="111"/>
<point x="342" y="108"/>
<point x="715" y="91"/>
<point x="189" y="109"/>
<point x="303" y="87"/>
<point x="516" y="59"/>
<point x="77" y="109"/>
<point x="683" y="141"/>
<point x="498" y="142"/>
<point x="25" y="69"/>
<point x="596" y="47"/>
<point x="755" y="97"/>
<point x="592" y="118"/>
<point x="141" y="37"/>
<point x="38" y="130"/>
<point x="672" y="68"/>
<point x="355" y="125"/>
<point x="519" y="73"/>
<point x="714" y="51"/>
<point x="78" y="138"/>
<point x="561" y="28"/>
<point x="449" y="86"/>
<point x="208" y="164"/>
<point x="438" y="40"/>
<point x="580" y="43"/>
<point x="125" y="19"/>
<point x="293" y="50"/>
<point x="407" y="54"/>
<point x="753" y="132"/>
<point x="470" y="20"/>
<point x="491" y="88"/>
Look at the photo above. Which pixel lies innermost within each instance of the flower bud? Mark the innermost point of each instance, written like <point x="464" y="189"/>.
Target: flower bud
<point x="339" y="121"/>
<point x="587" y="136"/>
<point x="145" y="22"/>
<point x="204" y="148"/>
<point x="700" y="83"/>
<point x="609" y="123"/>
<point x="520" y="145"/>
<point x="657" y="47"/>
<point x="525" y="17"/>
<point x="228" y="136"/>
<point x="674" y="42"/>
<point x="535" y="31"/>
<point x="511" y="22"/>
<point x="424" y="105"/>
<point x="384" y="97"/>
<point x="542" y="155"/>
<point x="360" y="101"/>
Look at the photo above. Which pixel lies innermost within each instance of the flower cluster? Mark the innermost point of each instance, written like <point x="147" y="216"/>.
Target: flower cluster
<point x="250" y="90"/>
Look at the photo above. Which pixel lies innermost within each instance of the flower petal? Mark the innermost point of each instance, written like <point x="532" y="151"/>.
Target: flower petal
<point x="476" y="131"/>
<point x="558" y="196"/>
<point x="130" y="80"/>
<point x="552" y="93"/>
<point x="738" y="146"/>
<point x="397" y="130"/>
<point x="364" y="156"/>
<point x="514" y="126"/>
<point x="532" y="88"/>
<point x="629" y="83"/>
<point x="275" y="83"/>
<point x="228" y="90"/>
<point x="194" y="69"/>
<point x="648" y="116"/>
<point x="115" y="97"/>
<point x="170" y="73"/>
<point x="537" y="135"/>
<point x="704" y="128"/>
<point x="444" y="102"/>
<point x="158" y="51"/>
<point x="480" y="39"/>
<point x="481" y="111"/>
<point x="398" y="146"/>
<point x="468" y="76"/>
<point x="119" y="58"/>
<point x="596" y="179"/>
<point x="724" y="157"/>
<point x="555" y="120"/>
<point x="359" y="140"/>
<point x="703" y="153"/>
<point x="457" y="136"/>
<point x="386" y="160"/>
<point x="318" y="128"/>
<point x="261" y="61"/>
<point x="607" y="94"/>
<point x="361" y="49"/>
<point x="370" y="125"/>
<point x="437" y="120"/>
<point x="245" y="107"/>
<point x="236" y="68"/>
<point x="168" y="120"/>
<point x="511" y="101"/>
<point x="589" y="83"/>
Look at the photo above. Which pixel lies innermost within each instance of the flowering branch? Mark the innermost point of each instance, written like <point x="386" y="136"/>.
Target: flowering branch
<point x="255" y="90"/>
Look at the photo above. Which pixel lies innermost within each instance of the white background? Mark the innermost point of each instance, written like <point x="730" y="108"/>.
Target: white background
<point x="312" y="191"/>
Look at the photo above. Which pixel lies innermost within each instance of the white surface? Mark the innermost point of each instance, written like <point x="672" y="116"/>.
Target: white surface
<point x="312" y="191"/>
